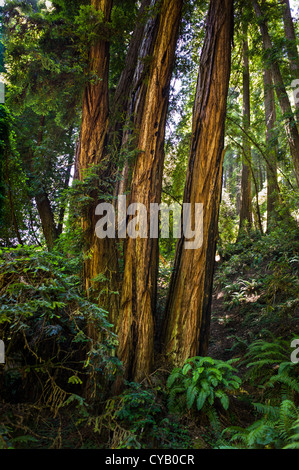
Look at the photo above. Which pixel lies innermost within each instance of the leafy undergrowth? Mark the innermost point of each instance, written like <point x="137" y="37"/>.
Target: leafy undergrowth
<point x="256" y="288"/>
<point x="255" y="317"/>
<point x="56" y="384"/>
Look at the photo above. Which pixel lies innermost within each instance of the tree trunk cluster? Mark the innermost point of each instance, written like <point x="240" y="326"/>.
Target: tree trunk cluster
<point x="142" y="96"/>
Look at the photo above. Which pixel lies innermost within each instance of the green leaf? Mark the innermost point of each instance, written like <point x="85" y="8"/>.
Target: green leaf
<point x="186" y="369"/>
<point x="225" y="401"/>
<point x="191" y="395"/>
<point x="201" y="399"/>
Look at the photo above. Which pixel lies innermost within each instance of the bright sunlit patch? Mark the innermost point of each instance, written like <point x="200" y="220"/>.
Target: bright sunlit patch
<point x="49" y="5"/>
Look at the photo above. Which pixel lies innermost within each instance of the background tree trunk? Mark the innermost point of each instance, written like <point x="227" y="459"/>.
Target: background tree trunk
<point x="246" y="209"/>
<point x="189" y="300"/>
<point x="282" y="96"/>
<point x="291" y="40"/>
<point x="270" y="118"/>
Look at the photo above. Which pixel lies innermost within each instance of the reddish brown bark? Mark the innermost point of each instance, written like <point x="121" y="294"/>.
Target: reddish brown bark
<point x="133" y="86"/>
<point x="189" y="301"/>
<point x="100" y="254"/>
<point x="136" y="322"/>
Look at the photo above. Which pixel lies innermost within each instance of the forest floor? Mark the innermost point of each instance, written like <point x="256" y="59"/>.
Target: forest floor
<point x="223" y="325"/>
<point x="227" y="323"/>
<point x="227" y="326"/>
<point x="255" y="297"/>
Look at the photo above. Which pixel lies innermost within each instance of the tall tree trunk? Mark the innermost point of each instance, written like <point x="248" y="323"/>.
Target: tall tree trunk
<point x="132" y="88"/>
<point x="101" y="254"/>
<point x="124" y="87"/>
<point x="282" y="96"/>
<point x="270" y="118"/>
<point x="291" y="40"/>
<point x="246" y="210"/>
<point x="259" y="224"/>
<point x="136" y="321"/>
<point x="291" y="45"/>
<point x="189" y="300"/>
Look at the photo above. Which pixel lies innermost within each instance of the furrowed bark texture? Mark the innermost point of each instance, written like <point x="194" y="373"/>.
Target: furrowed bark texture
<point x="123" y="90"/>
<point x="101" y="255"/>
<point x="246" y="211"/>
<point x="132" y="88"/>
<point x="136" y="322"/>
<point x="282" y="96"/>
<point x="189" y="301"/>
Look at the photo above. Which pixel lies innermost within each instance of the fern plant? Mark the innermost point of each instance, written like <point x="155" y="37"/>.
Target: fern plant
<point x="279" y="425"/>
<point x="270" y="367"/>
<point x="200" y="384"/>
<point x="278" y="428"/>
<point x="263" y="358"/>
<point x="293" y="439"/>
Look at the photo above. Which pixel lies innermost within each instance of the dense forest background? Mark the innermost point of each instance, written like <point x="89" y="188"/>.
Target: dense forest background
<point x="139" y="342"/>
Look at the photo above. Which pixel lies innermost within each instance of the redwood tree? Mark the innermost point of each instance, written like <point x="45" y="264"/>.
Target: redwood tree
<point x="189" y="300"/>
<point x="136" y="319"/>
<point x="100" y="254"/>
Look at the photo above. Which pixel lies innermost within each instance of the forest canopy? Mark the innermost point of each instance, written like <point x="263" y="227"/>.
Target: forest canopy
<point x="149" y="248"/>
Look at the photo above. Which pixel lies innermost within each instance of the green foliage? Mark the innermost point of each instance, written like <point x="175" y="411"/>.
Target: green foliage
<point x="43" y="323"/>
<point x="136" y="419"/>
<point x="294" y="435"/>
<point x="278" y="428"/>
<point x="236" y="293"/>
<point x="200" y="384"/>
<point x="259" y="276"/>
<point x="13" y="181"/>
<point x="4" y="142"/>
<point x="277" y="380"/>
<point x="47" y="52"/>
<point x="228" y="222"/>
<point x="6" y="442"/>
<point x="264" y="356"/>
<point x="44" y="314"/>
<point x="269" y="366"/>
